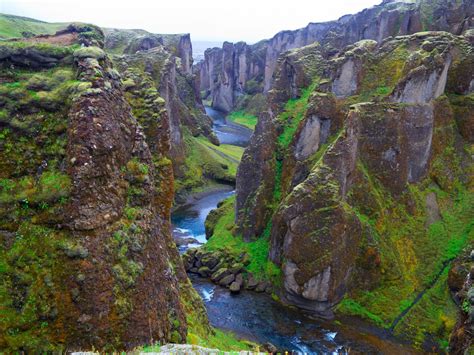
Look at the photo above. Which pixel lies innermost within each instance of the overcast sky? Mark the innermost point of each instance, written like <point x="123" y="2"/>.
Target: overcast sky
<point x="214" y="20"/>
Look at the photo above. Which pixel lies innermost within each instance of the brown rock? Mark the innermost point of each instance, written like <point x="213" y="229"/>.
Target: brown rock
<point x="235" y="287"/>
<point x="227" y="280"/>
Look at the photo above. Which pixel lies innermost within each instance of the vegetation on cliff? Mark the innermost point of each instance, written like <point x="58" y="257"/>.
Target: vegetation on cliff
<point x="401" y="223"/>
<point x="244" y="119"/>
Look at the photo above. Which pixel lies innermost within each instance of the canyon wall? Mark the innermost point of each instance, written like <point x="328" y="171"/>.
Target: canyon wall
<point x="168" y="59"/>
<point x="235" y="70"/>
<point x="87" y="259"/>
<point x="362" y="179"/>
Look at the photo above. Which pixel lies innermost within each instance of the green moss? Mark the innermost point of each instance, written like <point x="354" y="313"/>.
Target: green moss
<point x="292" y="115"/>
<point x="435" y="315"/>
<point x="412" y="258"/>
<point x="51" y="186"/>
<point x="46" y="49"/>
<point x="222" y="340"/>
<point x="30" y="272"/>
<point x="244" y="119"/>
<point x="351" y="307"/>
<point x="381" y="75"/>
<point x="89" y="52"/>
<point x="223" y="239"/>
<point x="137" y="170"/>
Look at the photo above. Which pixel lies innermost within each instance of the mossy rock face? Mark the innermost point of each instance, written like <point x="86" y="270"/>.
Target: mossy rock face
<point x="89" y="52"/>
<point x="34" y="55"/>
<point x="83" y="202"/>
<point x="368" y="213"/>
<point x="147" y="77"/>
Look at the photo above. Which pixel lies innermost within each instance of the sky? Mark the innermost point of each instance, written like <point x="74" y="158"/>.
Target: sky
<point x="211" y="20"/>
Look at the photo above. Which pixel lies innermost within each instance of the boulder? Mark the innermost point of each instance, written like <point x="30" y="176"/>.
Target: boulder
<point x="219" y="274"/>
<point x="250" y="283"/>
<point x="204" y="271"/>
<point x="261" y="286"/>
<point x="456" y="277"/>
<point x="227" y="280"/>
<point x="235" y="287"/>
<point x="239" y="279"/>
<point x="236" y="268"/>
<point x="210" y="260"/>
<point x="270" y="348"/>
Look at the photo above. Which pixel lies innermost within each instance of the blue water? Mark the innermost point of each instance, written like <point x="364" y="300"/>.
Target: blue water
<point x="227" y="131"/>
<point x="188" y="220"/>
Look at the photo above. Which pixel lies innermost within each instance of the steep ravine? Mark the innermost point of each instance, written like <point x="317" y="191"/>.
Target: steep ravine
<point x="231" y="76"/>
<point x="360" y="176"/>
<point x="256" y="316"/>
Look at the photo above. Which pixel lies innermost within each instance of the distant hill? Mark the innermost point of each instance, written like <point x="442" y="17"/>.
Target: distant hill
<point x="16" y="26"/>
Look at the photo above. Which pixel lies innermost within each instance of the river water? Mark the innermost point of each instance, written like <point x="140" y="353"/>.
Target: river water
<point x="228" y="132"/>
<point x="258" y="317"/>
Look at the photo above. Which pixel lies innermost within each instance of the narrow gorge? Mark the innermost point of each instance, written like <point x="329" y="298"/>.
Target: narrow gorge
<point x="308" y="193"/>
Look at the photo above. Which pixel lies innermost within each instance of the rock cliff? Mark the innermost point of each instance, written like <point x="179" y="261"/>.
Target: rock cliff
<point x="166" y="60"/>
<point x="369" y="187"/>
<point x="119" y="41"/>
<point x="87" y="259"/>
<point x="229" y="73"/>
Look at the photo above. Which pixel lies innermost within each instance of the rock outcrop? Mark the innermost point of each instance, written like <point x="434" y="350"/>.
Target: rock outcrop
<point x="120" y="41"/>
<point x="167" y="61"/>
<point x="361" y="143"/>
<point x="227" y="73"/>
<point x="461" y="285"/>
<point x="88" y="261"/>
<point x="231" y="72"/>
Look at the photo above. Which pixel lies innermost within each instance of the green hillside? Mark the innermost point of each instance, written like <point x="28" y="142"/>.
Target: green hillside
<point x="16" y="26"/>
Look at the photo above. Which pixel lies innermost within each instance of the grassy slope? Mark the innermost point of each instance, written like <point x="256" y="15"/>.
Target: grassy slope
<point x="13" y="26"/>
<point x="205" y="161"/>
<point x="244" y="119"/>
<point x="224" y="239"/>
<point x="231" y="151"/>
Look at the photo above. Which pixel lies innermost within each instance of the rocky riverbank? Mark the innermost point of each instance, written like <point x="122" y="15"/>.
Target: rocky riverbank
<point x="224" y="269"/>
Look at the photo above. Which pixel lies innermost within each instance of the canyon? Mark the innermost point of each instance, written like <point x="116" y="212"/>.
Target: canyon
<point x="350" y="147"/>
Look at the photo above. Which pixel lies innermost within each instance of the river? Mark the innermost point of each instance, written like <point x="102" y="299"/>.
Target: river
<point x="256" y="316"/>
<point x="228" y="132"/>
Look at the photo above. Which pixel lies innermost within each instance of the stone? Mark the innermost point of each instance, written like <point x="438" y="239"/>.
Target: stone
<point x="261" y="287"/>
<point x="219" y="274"/>
<point x="432" y="209"/>
<point x="470" y="295"/>
<point x="235" y="287"/>
<point x="227" y="280"/>
<point x="239" y="279"/>
<point x="456" y="277"/>
<point x="270" y="348"/>
<point x="210" y="260"/>
<point x="345" y="84"/>
<point x="204" y="271"/>
<point x="236" y="268"/>
<point x="250" y="283"/>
